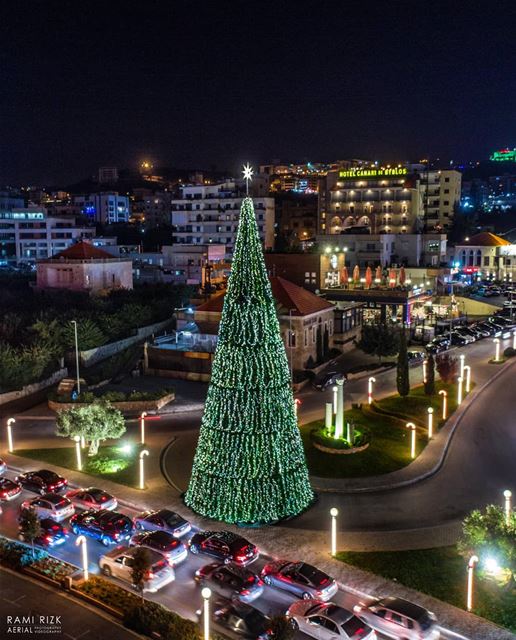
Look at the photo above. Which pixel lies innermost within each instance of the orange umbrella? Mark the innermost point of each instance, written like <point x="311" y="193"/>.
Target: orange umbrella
<point x="392" y="277"/>
<point x="356" y="274"/>
<point x="378" y="274"/>
<point x="368" y="276"/>
<point x="403" y="276"/>
<point x="344" y="276"/>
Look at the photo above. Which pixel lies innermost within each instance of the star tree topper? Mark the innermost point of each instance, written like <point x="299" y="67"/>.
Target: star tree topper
<point x="248" y="175"/>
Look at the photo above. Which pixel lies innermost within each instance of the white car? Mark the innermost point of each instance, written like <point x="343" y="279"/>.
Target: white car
<point x="92" y="498"/>
<point x="328" y="621"/>
<point x="50" y="505"/>
<point x="118" y="563"/>
<point x="399" y="619"/>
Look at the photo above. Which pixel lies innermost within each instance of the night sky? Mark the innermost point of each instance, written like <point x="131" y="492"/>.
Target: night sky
<point x="196" y="84"/>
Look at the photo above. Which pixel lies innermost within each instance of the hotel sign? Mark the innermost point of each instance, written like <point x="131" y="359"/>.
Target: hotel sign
<point x="504" y="155"/>
<point x="359" y="173"/>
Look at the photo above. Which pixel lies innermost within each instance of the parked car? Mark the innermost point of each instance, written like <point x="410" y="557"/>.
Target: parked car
<point x="481" y="330"/>
<point x="415" y="356"/>
<point x="9" y="490"/>
<point x="458" y="340"/>
<point x="486" y="292"/>
<point x="230" y="581"/>
<point x="3" y="466"/>
<point x="50" y="505"/>
<point x="224" y="545"/>
<point x="506" y="323"/>
<point x="509" y="292"/>
<point x="328" y="621"/>
<point x="118" y="563"/>
<point x="327" y="379"/>
<point x="42" y="481"/>
<point x="52" y="533"/>
<point x="437" y="345"/>
<point x="487" y="328"/>
<point x="162" y="520"/>
<point x="242" y="619"/>
<point x="92" y="498"/>
<point x="299" y="578"/>
<point x="167" y="544"/>
<point x="398" y="618"/>
<point x="110" y="527"/>
<point x="466" y="333"/>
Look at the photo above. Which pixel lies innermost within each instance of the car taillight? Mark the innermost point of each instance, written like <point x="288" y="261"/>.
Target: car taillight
<point x="51" y="486"/>
<point x="241" y="558"/>
<point x="149" y="575"/>
<point x="245" y="592"/>
<point x="260" y="582"/>
<point x="48" y="538"/>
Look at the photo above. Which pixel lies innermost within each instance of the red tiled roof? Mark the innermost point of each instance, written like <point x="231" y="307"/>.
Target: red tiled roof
<point x="486" y="239"/>
<point x="287" y="296"/>
<point x="83" y="251"/>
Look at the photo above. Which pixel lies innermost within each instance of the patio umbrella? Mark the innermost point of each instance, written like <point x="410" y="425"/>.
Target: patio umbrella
<point x="403" y="276"/>
<point x="378" y="274"/>
<point x="344" y="276"/>
<point x="356" y="274"/>
<point x="368" y="276"/>
<point x="392" y="277"/>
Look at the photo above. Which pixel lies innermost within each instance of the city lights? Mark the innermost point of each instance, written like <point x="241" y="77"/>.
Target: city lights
<point x="334" y="513"/>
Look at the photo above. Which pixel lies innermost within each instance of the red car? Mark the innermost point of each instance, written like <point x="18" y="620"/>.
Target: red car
<point x="9" y="489"/>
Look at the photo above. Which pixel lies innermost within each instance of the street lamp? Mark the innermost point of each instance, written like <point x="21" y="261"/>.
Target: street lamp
<point x="508" y="506"/>
<point x="412" y="427"/>
<point x="142" y="426"/>
<point x="10" y="447"/>
<point x="430" y="422"/>
<point x="74" y="322"/>
<point x="459" y="391"/>
<point x="297" y="402"/>
<point x="206" y="594"/>
<point x="78" y="452"/>
<point x="497" y="349"/>
<point x="444" y="394"/>
<point x="335" y="390"/>
<point x="81" y="540"/>
<point x="334" y="513"/>
<point x="471" y="566"/>
<point x="425" y="362"/>
<point x="370" y="390"/>
<point x="462" y="358"/>
<point x="142" y="472"/>
<point x="514" y="339"/>
<point x="467" y="369"/>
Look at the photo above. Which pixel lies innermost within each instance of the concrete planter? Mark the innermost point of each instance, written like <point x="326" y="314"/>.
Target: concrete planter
<point x="340" y="452"/>
<point x="136" y="406"/>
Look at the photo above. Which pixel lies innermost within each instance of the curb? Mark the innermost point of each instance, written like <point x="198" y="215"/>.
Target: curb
<point x="454" y="423"/>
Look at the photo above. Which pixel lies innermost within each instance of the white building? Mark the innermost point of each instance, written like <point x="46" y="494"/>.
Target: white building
<point x="485" y="255"/>
<point x="30" y="234"/>
<point x="209" y="214"/>
<point x="106" y="207"/>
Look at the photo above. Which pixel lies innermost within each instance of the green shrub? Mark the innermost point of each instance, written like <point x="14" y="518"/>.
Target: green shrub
<point x="325" y="439"/>
<point x="16" y="555"/>
<point x="509" y="352"/>
<point x="114" y="396"/>
<point x="111" y="594"/>
<point x="104" y="465"/>
<point x="153" y="618"/>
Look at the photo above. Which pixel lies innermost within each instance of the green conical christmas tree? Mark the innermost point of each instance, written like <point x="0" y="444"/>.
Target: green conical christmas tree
<point x="249" y="466"/>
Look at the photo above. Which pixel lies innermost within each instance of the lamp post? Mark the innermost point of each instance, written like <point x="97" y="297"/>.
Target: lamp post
<point x="430" y="422"/>
<point x="467" y="369"/>
<point x="81" y="540"/>
<point x="412" y="427"/>
<point x="497" y="349"/>
<point x="335" y="390"/>
<point x="444" y="394"/>
<point x="514" y="339"/>
<point x="462" y="358"/>
<point x="78" y="452"/>
<point x="334" y="513"/>
<point x="425" y="362"/>
<point x="10" y="422"/>
<point x="206" y="594"/>
<point x="142" y="426"/>
<point x="508" y="505"/>
<point x="142" y="472"/>
<point x="370" y="390"/>
<point x="459" y="391"/>
<point x="74" y="322"/>
<point x="471" y="567"/>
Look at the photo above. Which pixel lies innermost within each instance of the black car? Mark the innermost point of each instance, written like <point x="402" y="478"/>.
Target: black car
<point x="230" y="581"/>
<point x="224" y="545"/>
<point x="487" y="327"/>
<point x="9" y="489"/>
<point x="162" y="520"/>
<point x="504" y="321"/>
<point x="42" y="481"/>
<point x="415" y="356"/>
<point x="109" y="527"/>
<point x="327" y="379"/>
<point x="437" y="345"/>
<point x="52" y="533"/>
<point x="167" y="544"/>
<point x="457" y="340"/>
<point x="242" y="619"/>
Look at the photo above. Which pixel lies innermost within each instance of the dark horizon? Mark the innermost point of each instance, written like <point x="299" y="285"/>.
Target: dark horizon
<point x="92" y="85"/>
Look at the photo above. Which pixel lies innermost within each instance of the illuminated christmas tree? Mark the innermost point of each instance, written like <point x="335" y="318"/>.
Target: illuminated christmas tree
<point x="249" y="466"/>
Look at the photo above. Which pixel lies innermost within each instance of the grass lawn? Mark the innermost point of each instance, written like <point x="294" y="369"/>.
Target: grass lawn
<point x="440" y="573"/>
<point x="389" y="449"/>
<point x="110" y="463"/>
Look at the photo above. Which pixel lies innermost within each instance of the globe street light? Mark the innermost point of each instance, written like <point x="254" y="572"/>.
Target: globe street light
<point x="81" y="540"/>
<point x="370" y="390"/>
<point x="467" y="369"/>
<point x="142" y="473"/>
<point x="444" y="394"/>
<point x="471" y="566"/>
<point x="10" y="422"/>
<point x="508" y="506"/>
<point x="430" y="422"/>
<point x="206" y="594"/>
<point x="412" y="427"/>
<point x="459" y="391"/>
<point x="78" y="452"/>
<point x="497" y="349"/>
<point x="334" y="513"/>
<point x="142" y="426"/>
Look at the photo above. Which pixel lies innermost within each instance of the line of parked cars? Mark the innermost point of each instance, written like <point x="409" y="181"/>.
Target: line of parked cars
<point x="499" y="325"/>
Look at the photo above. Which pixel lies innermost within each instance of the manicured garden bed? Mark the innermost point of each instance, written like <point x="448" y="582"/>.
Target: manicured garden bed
<point x="124" y="401"/>
<point x="440" y="573"/>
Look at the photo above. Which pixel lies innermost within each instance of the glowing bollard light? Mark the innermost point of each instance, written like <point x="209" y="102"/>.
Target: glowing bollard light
<point x="425" y="363"/>
<point x="335" y="390"/>
<point x="467" y="369"/>
<point x="81" y="540"/>
<point x="339" y="416"/>
<point x="459" y="391"/>
<point x="444" y="394"/>
<point x="83" y="442"/>
<point x="328" y="417"/>
<point x="462" y="357"/>
<point x="78" y="452"/>
<point x="297" y="402"/>
<point x="430" y="422"/>
<point x="142" y="426"/>
<point x="334" y="513"/>
<point x="10" y="422"/>
<point x="206" y="594"/>
<point x="514" y="340"/>
<point x="142" y="471"/>
<point x="370" y="390"/>
<point x="508" y="506"/>
<point x="412" y="427"/>
<point x="497" y="349"/>
<point x="471" y="567"/>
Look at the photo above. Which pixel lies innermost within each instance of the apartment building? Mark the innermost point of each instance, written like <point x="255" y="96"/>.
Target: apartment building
<point x="106" y="207"/>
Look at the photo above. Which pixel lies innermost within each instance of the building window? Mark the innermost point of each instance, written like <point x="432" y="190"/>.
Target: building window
<point x="446" y="203"/>
<point x="486" y="261"/>
<point x="314" y="335"/>
<point x="447" y="179"/>
<point x="330" y="327"/>
<point x="446" y="191"/>
<point x="306" y="338"/>
<point x="478" y="261"/>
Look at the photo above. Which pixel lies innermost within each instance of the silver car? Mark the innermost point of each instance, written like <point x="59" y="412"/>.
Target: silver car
<point x="327" y="621"/>
<point x="398" y="618"/>
<point x="118" y="563"/>
<point x="300" y="578"/>
<point x="50" y="505"/>
<point x="92" y="498"/>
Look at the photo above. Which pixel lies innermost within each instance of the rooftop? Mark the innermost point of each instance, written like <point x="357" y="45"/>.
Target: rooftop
<point x="486" y="239"/>
<point x="83" y="251"/>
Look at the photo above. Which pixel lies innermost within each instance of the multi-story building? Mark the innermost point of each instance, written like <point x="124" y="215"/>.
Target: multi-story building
<point x="151" y="207"/>
<point x="400" y="199"/>
<point x="10" y="200"/>
<point x="30" y="234"/>
<point x="105" y="207"/>
<point x="207" y="214"/>
<point x="485" y="255"/>
<point x="202" y="265"/>
<point x="296" y="218"/>
<point x="108" y="175"/>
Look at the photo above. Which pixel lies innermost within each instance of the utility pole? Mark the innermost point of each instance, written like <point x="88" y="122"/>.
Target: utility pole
<point x="74" y="322"/>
